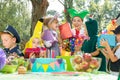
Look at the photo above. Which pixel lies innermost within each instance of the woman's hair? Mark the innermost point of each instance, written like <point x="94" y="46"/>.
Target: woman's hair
<point x="49" y="20"/>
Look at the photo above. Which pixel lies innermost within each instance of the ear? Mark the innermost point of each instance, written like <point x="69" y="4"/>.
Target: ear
<point x="14" y="40"/>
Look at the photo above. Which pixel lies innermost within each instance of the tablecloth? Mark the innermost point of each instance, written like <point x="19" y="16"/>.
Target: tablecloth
<point x="51" y="76"/>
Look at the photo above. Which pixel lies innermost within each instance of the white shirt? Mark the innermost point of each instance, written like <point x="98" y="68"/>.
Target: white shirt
<point x="117" y="53"/>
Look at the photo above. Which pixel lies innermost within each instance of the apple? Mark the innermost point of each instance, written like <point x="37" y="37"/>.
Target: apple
<point x="85" y="65"/>
<point x="77" y="59"/>
<point x="89" y="70"/>
<point x="94" y="63"/>
<point x="78" y="67"/>
<point x="87" y="57"/>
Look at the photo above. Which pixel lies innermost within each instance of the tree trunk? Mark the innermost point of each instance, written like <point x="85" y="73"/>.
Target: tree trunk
<point x="67" y="5"/>
<point x="39" y="8"/>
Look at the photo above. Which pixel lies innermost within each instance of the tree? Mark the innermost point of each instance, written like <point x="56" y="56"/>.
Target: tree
<point x="100" y="10"/>
<point x="39" y="8"/>
<point x="67" y="5"/>
<point x="15" y="13"/>
<point x="103" y="10"/>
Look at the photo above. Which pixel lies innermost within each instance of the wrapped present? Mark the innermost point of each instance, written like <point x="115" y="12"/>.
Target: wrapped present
<point x="2" y="58"/>
<point x="48" y="65"/>
<point x="65" y="31"/>
<point x="68" y="62"/>
<point x="110" y="38"/>
<point x="48" y="36"/>
<point x="29" y="51"/>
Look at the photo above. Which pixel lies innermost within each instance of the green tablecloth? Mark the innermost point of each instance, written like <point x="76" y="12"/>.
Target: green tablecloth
<point x="50" y="76"/>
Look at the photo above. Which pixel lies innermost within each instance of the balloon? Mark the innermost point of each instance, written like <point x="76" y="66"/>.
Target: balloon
<point x="2" y="58"/>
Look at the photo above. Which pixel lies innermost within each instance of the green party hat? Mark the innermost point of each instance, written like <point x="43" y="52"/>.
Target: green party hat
<point x="80" y="14"/>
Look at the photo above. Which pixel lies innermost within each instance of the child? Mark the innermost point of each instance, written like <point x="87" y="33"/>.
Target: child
<point x="36" y="51"/>
<point x="79" y="29"/>
<point x="10" y="39"/>
<point x="113" y="55"/>
<point x="50" y="37"/>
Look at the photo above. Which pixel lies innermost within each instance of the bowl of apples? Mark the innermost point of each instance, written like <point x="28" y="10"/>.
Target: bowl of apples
<point x="85" y="63"/>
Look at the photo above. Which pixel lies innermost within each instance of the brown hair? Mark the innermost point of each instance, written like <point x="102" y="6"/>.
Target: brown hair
<point x="49" y="20"/>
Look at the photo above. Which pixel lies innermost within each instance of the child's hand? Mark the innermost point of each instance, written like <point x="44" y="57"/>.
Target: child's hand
<point x="104" y="42"/>
<point x="32" y="55"/>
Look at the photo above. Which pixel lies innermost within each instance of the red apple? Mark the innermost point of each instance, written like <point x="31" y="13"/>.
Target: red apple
<point x="94" y="63"/>
<point x="87" y="57"/>
<point x="77" y="59"/>
<point x="85" y="65"/>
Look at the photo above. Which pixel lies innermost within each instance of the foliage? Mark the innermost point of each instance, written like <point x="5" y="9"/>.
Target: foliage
<point x="67" y="4"/>
<point x="39" y="8"/>
<point x="103" y="10"/>
<point x="15" y="13"/>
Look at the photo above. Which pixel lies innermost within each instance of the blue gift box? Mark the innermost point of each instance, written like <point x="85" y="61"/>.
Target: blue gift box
<point x="48" y="65"/>
<point x="110" y="38"/>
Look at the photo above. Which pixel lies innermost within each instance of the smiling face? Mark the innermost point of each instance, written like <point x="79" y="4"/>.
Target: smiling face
<point x="77" y="22"/>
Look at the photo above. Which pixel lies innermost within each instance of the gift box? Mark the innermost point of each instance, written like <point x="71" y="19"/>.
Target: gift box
<point x="110" y="38"/>
<point x="2" y="58"/>
<point x="28" y="52"/>
<point x="48" y="36"/>
<point x="68" y="62"/>
<point x="48" y="65"/>
<point x="65" y="31"/>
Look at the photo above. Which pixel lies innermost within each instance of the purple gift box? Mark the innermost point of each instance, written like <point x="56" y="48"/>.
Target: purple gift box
<point x="2" y="58"/>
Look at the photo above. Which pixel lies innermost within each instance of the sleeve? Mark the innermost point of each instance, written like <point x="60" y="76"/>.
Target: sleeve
<point x="117" y="53"/>
<point x="19" y="52"/>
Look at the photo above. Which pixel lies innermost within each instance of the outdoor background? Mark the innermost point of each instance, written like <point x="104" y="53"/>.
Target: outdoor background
<point x="23" y="14"/>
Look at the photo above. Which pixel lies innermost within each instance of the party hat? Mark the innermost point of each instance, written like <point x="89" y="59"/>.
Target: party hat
<point x="80" y="14"/>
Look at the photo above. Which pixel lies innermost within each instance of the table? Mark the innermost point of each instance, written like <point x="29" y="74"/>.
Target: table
<point x="51" y="76"/>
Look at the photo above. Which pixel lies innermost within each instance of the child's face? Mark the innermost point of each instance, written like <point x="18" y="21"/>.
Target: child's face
<point x="54" y="25"/>
<point x="35" y="43"/>
<point x="118" y="37"/>
<point x="77" y="22"/>
<point x="7" y="40"/>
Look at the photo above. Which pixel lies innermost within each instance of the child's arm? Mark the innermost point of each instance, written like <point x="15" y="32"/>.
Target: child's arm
<point x="85" y="29"/>
<point x="95" y="53"/>
<point x="59" y="39"/>
<point x="104" y="52"/>
<point x="109" y="51"/>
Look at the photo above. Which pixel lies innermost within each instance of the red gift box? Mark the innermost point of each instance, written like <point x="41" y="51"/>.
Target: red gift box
<point x="29" y="51"/>
<point x="65" y="31"/>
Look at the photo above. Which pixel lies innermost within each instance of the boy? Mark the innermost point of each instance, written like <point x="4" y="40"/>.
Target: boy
<point x="113" y="55"/>
<point x="10" y="38"/>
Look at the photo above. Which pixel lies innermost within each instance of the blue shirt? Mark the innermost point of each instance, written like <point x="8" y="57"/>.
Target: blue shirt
<point x="14" y="50"/>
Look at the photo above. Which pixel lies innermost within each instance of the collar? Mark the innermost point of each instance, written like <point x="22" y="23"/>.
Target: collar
<point x="118" y="44"/>
<point x="14" y="49"/>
